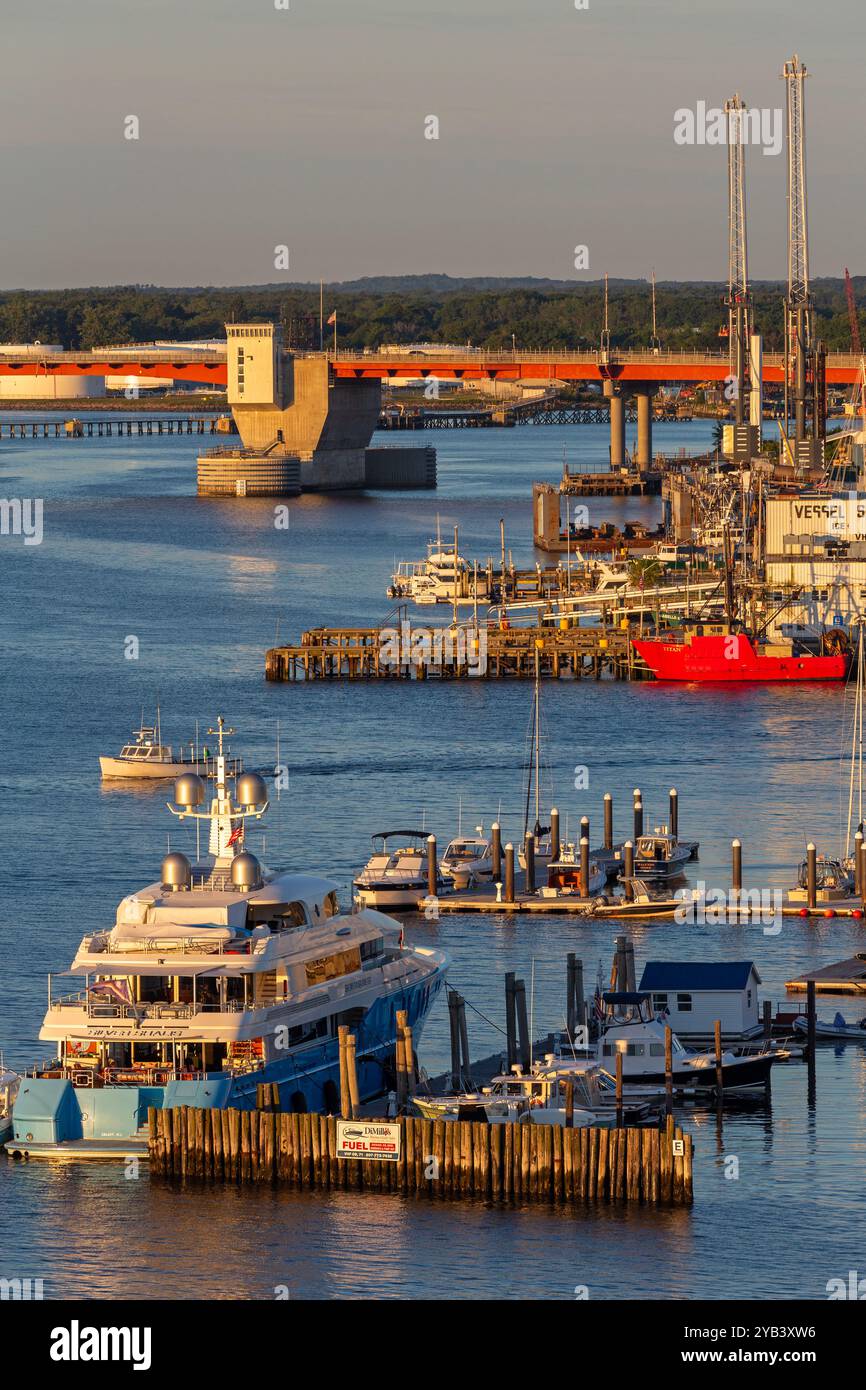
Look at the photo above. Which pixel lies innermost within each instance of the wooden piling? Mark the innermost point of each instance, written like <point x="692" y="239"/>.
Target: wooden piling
<point x="509" y="873"/>
<point x="608" y="821"/>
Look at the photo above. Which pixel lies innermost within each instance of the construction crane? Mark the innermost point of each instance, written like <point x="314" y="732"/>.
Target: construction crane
<point x="739" y="299"/>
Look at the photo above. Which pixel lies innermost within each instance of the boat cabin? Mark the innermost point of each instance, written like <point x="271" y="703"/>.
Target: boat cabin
<point x="692" y="996"/>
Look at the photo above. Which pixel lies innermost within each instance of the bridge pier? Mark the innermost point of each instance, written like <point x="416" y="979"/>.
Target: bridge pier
<point x="644" y="429"/>
<point x="617" y="431"/>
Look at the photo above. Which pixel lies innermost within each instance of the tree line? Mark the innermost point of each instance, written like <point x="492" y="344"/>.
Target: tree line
<point x="554" y="316"/>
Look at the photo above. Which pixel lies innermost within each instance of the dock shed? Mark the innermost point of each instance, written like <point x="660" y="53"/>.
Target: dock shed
<point x="695" y="995"/>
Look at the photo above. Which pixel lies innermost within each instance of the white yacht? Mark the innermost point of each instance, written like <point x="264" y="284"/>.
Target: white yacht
<point x="539" y="1095"/>
<point x="468" y="860"/>
<point x="443" y="577"/>
<point x="147" y="757"/>
<point x="218" y="976"/>
<point x="395" y="875"/>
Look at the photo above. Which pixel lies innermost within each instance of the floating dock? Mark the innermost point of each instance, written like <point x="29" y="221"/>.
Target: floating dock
<point x="843" y="977"/>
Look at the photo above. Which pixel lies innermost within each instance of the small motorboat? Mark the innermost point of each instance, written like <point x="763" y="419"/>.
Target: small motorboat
<point x="394" y="879"/>
<point x="833" y="881"/>
<point x="660" y="855"/>
<point x="564" y="876"/>
<point x="468" y="860"/>
<point x="837" y="1031"/>
<point x="539" y="1096"/>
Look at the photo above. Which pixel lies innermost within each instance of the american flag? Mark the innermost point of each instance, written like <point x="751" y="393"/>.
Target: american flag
<point x="236" y="836"/>
<point x="118" y="989"/>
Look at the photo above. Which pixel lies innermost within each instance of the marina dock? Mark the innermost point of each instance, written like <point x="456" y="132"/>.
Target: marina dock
<point x="112" y="427"/>
<point x="843" y="977"/>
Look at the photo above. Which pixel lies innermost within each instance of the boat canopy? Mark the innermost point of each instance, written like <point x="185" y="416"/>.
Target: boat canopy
<point x="407" y="834"/>
<point x="618" y="997"/>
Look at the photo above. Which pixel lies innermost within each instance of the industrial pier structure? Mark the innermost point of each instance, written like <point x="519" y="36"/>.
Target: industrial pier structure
<point x="302" y="428"/>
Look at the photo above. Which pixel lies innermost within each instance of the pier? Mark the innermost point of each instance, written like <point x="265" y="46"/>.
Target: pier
<point x="119" y="428"/>
<point x="405" y="652"/>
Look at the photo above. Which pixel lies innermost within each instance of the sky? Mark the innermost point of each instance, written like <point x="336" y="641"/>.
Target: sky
<point x="306" y="127"/>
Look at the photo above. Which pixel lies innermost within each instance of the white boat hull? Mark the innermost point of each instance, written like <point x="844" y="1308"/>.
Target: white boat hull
<point x="139" y="770"/>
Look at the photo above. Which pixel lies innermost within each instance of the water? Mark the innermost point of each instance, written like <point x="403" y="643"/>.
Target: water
<point x="205" y="586"/>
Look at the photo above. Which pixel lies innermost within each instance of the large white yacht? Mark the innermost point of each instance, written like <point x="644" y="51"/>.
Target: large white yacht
<point x="220" y="975"/>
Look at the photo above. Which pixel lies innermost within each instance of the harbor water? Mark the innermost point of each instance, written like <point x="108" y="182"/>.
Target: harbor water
<point x="204" y="587"/>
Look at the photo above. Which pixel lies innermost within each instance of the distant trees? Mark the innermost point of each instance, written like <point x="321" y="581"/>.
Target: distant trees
<point x="549" y="316"/>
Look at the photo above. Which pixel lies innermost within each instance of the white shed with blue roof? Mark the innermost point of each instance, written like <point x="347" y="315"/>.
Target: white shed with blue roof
<point x="694" y="996"/>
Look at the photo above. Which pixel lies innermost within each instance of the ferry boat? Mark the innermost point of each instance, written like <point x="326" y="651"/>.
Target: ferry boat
<point x="715" y="652"/>
<point x="148" y="757"/>
<point x="219" y="976"/>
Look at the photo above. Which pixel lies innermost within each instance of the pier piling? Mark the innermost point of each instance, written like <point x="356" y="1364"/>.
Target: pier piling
<point x="608" y="821"/>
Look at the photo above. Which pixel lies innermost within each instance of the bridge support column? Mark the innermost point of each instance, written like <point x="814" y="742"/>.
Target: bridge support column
<point x="617" y="431"/>
<point x="644" y="430"/>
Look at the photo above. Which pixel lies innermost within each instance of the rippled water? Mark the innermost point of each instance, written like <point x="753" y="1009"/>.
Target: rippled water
<point x="205" y="586"/>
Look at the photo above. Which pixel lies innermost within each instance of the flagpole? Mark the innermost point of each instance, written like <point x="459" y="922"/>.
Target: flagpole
<point x="335" y="332"/>
<point x="321" y="316"/>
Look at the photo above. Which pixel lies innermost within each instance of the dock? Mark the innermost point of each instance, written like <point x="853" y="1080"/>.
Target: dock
<point x="116" y="428"/>
<point x="843" y="977"/>
<point x="416" y="652"/>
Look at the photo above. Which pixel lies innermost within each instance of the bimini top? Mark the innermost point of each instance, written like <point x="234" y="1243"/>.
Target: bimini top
<point x="619" y="997"/>
<point x="406" y="834"/>
<point x="678" y="974"/>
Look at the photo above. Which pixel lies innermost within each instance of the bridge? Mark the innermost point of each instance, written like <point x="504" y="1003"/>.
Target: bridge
<point x="629" y="367"/>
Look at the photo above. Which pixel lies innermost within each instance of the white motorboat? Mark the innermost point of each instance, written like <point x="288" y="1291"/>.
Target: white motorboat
<point x="468" y="860"/>
<point x="539" y="1095"/>
<point x="837" y="1031"/>
<point x="631" y="1029"/>
<point x="219" y="976"/>
<point x="442" y="577"/>
<point x="395" y="876"/>
<point x="147" y="757"/>
<point x="833" y="881"/>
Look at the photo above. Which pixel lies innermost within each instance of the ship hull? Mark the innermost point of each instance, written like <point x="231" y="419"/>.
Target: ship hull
<point x="54" y="1119"/>
<point x="139" y="770"/>
<point x="733" y="658"/>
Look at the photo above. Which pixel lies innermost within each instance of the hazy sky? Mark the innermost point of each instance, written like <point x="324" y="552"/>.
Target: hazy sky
<point x="306" y="127"/>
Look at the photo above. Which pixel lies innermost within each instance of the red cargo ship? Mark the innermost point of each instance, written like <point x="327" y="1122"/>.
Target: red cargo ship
<point x="718" y="654"/>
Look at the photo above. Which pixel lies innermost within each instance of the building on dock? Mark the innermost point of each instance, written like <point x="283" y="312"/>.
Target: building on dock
<point x="694" y="995"/>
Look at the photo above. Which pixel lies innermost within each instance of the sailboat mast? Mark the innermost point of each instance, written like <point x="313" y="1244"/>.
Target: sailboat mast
<point x="537" y="737"/>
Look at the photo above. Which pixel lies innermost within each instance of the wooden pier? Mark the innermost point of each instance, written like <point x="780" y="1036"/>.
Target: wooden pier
<point x="843" y="977"/>
<point x="418" y="652"/>
<point x="119" y="428"/>
<point x="453" y="1159"/>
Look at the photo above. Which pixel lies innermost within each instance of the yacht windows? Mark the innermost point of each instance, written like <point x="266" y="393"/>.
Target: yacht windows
<point x="332" y="967"/>
<point x="684" y="1003"/>
<point x="369" y="949"/>
<point x="657" y="1049"/>
<point x="635" y="1050"/>
<point x="308" y="1032"/>
<point x="330" y="907"/>
<point x="294" y="915"/>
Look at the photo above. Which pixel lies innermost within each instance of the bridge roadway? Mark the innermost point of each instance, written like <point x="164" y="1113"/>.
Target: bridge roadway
<point x="630" y="367"/>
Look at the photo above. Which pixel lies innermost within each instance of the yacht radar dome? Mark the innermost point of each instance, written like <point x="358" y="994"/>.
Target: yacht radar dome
<point x="176" y="871"/>
<point x="246" y="871"/>
<point x="251" y="790"/>
<point x="189" y="790"/>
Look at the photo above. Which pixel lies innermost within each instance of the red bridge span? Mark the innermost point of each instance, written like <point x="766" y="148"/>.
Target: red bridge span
<point x="633" y="368"/>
